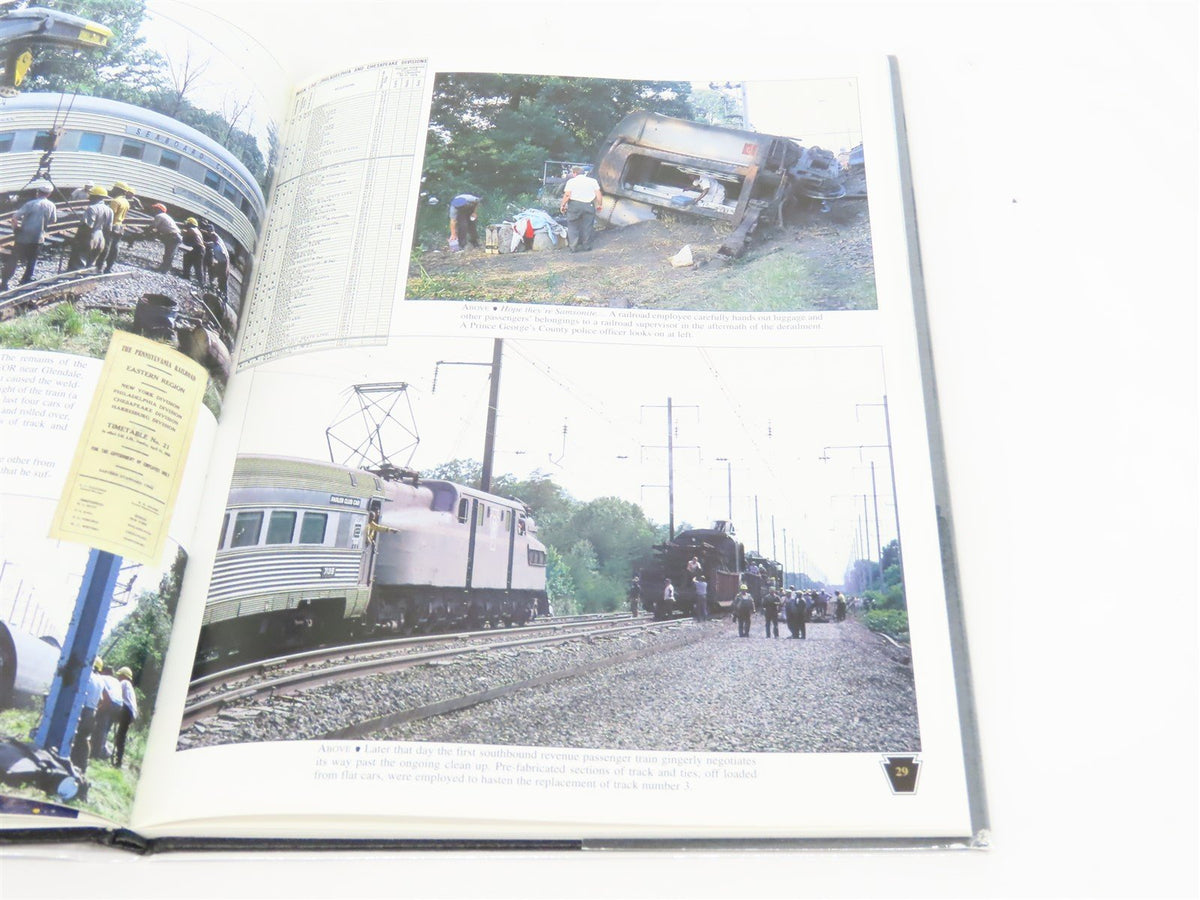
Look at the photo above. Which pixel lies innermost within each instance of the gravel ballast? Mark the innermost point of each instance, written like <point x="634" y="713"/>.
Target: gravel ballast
<point x="842" y="689"/>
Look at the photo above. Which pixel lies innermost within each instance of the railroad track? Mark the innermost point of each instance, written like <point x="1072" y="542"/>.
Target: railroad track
<point x="247" y="702"/>
<point x="38" y="293"/>
<point x="293" y="674"/>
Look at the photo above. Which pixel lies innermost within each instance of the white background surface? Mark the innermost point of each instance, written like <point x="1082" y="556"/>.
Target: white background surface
<point x="1053" y="149"/>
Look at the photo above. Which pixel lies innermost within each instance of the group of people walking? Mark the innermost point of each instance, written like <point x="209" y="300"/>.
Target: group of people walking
<point x="97" y="238"/>
<point x="798" y="608"/>
<point x="109" y="699"/>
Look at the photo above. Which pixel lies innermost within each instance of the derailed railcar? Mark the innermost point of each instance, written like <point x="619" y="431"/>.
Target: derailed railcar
<point x="722" y="560"/>
<point x="650" y="160"/>
<point x="312" y="551"/>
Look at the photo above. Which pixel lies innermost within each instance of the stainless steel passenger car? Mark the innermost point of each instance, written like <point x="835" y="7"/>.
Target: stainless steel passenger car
<point x="312" y="551"/>
<point x="104" y="141"/>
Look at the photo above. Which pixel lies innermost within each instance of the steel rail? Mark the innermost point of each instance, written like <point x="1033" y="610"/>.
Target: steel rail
<point x="305" y="680"/>
<point x="14" y="300"/>
<point x="373" y="646"/>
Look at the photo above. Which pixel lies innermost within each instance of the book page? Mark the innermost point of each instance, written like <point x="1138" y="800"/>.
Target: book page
<point x="136" y="155"/>
<point x="628" y="526"/>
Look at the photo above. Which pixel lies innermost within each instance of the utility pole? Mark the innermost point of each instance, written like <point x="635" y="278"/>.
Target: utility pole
<point x="774" y="552"/>
<point x="489" y="440"/>
<point x="670" y="472"/>
<point x="875" y="500"/>
<point x="670" y="448"/>
<point x="785" y="556"/>
<point x="757" y="539"/>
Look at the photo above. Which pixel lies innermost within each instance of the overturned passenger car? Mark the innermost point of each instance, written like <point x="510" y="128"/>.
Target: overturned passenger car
<point x="652" y="161"/>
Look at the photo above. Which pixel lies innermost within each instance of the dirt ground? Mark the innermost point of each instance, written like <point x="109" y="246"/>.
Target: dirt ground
<point x="818" y="261"/>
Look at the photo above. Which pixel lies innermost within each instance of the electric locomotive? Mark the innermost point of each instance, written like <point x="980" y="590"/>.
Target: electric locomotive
<point x="312" y="551"/>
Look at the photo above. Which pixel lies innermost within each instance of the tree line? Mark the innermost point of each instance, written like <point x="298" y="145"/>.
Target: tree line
<point x="129" y="70"/>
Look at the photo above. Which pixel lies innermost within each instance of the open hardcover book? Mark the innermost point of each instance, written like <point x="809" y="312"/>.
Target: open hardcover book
<point x="421" y="454"/>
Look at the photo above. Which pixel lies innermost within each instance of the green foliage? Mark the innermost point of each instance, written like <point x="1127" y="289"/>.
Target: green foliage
<point x="892" y="622"/>
<point x="130" y="71"/>
<point x="559" y="586"/>
<point x="61" y="328"/>
<point x="140" y="639"/>
<point x="491" y="134"/>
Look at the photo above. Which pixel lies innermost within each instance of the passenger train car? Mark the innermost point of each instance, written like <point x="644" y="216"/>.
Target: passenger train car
<point x="103" y="141"/>
<point x="312" y="551"/>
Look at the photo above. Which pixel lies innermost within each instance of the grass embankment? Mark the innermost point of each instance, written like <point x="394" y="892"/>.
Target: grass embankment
<point x="892" y="622"/>
<point x="772" y="282"/>
<point x="64" y="329"/>
<point x="110" y="790"/>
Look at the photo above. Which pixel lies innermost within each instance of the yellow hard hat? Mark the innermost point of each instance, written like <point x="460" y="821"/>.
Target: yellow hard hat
<point x="122" y="186"/>
<point x="190" y="220"/>
<point x="125" y="672"/>
<point x="97" y="191"/>
<point x="98" y="664"/>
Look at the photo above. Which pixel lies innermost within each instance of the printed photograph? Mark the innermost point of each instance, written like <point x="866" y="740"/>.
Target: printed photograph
<point x="722" y="195"/>
<point x="134" y="160"/>
<point x="479" y="541"/>
<point x="82" y="640"/>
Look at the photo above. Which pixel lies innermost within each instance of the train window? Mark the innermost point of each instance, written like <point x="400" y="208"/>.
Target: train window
<point x="537" y="557"/>
<point x="169" y="159"/>
<point x="6" y="141"/>
<point x="463" y="509"/>
<point x="230" y="194"/>
<point x="43" y="141"/>
<point x="281" y="527"/>
<point x="312" y="529"/>
<point x="91" y="142"/>
<point x="212" y="179"/>
<point x="133" y="149"/>
<point x="246" y="529"/>
<point x="224" y="531"/>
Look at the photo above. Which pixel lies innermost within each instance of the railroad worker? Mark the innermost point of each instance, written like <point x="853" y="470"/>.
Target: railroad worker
<point x="126" y="714"/>
<point x="701" y="598"/>
<point x="840" y="606"/>
<point x="119" y="201"/>
<point x="694" y="568"/>
<point x="165" y="229"/>
<point x="712" y="192"/>
<point x="81" y="747"/>
<point x="87" y="245"/>
<point x="81" y="193"/>
<point x="581" y="201"/>
<point x="464" y="211"/>
<point x="635" y="595"/>
<point x="29" y="225"/>
<point x="216" y="259"/>
<point x="743" y="609"/>
<point x="771" y="611"/>
<point x="193" y="249"/>
<point x="106" y="711"/>
<point x="668" y="600"/>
